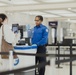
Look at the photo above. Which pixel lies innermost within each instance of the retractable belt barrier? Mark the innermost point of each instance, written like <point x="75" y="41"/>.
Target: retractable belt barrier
<point x="26" y="68"/>
<point x="34" y="66"/>
<point x="39" y="54"/>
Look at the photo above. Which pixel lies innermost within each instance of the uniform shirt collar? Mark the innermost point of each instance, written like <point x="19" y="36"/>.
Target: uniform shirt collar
<point x="38" y="26"/>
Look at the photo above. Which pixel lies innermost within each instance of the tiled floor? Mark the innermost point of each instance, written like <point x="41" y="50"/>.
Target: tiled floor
<point x="52" y="70"/>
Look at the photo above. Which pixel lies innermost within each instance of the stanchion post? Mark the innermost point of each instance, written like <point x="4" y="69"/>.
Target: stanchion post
<point x="11" y="61"/>
<point x="70" y="58"/>
<point x="59" y="57"/>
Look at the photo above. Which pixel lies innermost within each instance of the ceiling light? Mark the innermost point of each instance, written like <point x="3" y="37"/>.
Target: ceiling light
<point x="69" y="15"/>
<point x="2" y="4"/>
<point x="68" y="19"/>
<point x="73" y="21"/>
<point x="24" y="2"/>
<point x="50" y="15"/>
<point x="54" y="1"/>
<point x="69" y="8"/>
<point x="34" y="12"/>
<point x="59" y="11"/>
<point x="74" y="10"/>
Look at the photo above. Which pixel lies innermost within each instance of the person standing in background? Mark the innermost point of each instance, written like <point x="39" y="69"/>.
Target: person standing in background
<point x="40" y="38"/>
<point x="8" y="35"/>
<point x="3" y="18"/>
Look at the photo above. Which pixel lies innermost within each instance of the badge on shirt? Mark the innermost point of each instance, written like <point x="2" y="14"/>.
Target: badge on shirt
<point x="33" y="31"/>
<point x="46" y="30"/>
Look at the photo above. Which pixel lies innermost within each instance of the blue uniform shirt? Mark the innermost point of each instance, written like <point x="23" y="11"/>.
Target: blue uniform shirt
<point x="40" y="35"/>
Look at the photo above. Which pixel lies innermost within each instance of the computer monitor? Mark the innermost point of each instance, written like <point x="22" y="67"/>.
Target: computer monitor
<point x="53" y="24"/>
<point x="67" y="41"/>
<point x="27" y="41"/>
<point x="15" y="28"/>
<point x="21" y="31"/>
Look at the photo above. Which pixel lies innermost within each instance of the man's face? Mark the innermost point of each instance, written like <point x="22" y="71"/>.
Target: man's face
<point x="37" y="21"/>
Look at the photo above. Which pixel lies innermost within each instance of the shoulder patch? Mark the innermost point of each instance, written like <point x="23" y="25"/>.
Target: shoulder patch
<point x="46" y="30"/>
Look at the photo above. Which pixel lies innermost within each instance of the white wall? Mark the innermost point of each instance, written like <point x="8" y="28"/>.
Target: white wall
<point x="73" y="26"/>
<point x="23" y="19"/>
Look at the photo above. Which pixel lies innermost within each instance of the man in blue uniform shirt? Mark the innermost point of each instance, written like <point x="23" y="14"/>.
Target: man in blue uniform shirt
<point x="40" y="37"/>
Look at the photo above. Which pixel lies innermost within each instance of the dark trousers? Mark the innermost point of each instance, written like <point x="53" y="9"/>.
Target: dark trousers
<point x="41" y="49"/>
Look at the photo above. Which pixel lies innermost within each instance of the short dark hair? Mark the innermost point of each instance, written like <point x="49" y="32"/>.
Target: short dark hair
<point x="3" y="16"/>
<point x="40" y="17"/>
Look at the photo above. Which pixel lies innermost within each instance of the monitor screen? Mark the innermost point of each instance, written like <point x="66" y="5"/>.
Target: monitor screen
<point x="53" y="23"/>
<point x="15" y="28"/>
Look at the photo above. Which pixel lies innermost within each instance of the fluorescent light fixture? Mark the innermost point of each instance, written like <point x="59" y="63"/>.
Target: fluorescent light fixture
<point x="50" y="15"/>
<point x="69" y="8"/>
<point x="2" y="4"/>
<point x="54" y="1"/>
<point x="58" y="11"/>
<point x="73" y="21"/>
<point x="24" y="2"/>
<point x="68" y="19"/>
<point x="74" y="10"/>
<point x="34" y="13"/>
<point x="39" y="13"/>
<point x="68" y="15"/>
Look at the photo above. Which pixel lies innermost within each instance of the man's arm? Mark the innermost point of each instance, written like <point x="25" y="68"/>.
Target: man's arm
<point x="44" y="39"/>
